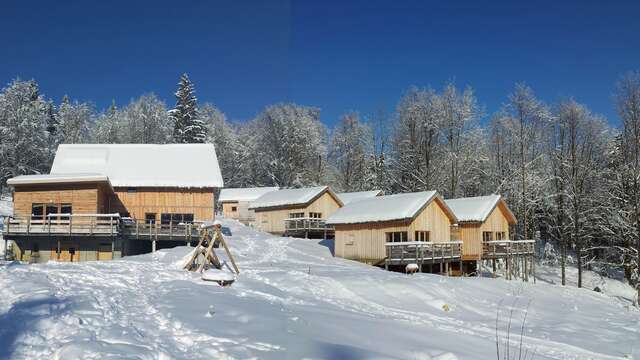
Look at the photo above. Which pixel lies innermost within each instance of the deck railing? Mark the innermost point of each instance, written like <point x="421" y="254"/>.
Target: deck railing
<point x="420" y="252"/>
<point x="504" y="248"/>
<point x="306" y="224"/>
<point x="63" y="224"/>
<point x="97" y="225"/>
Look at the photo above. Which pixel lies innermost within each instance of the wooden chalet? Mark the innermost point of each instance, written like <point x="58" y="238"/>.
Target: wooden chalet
<point x="106" y="201"/>
<point x="484" y="228"/>
<point x="296" y="212"/>
<point x="396" y="230"/>
<point x="235" y="203"/>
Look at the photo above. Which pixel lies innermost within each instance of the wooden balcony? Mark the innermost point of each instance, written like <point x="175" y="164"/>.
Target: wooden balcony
<point x="499" y="249"/>
<point x="422" y="252"/>
<point x="62" y="224"/>
<point x="96" y="225"/>
<point x="307" y="226"/>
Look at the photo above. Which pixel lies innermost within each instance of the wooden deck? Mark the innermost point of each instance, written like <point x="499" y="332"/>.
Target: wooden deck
<point x="423" y="253"/>
<point x="98" y="225"/>
<point x="307" y="227"/>
<point x="518" y="257"/>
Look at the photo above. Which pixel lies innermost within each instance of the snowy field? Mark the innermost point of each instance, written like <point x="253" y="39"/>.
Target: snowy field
<point x="294" y="300"/>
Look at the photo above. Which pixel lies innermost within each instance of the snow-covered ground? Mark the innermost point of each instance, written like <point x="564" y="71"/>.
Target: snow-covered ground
<point x="294" y="300"/>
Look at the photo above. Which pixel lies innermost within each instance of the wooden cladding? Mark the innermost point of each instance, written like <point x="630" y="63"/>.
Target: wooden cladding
<point x="140" y="201"/>
<point x="83" y="197"/>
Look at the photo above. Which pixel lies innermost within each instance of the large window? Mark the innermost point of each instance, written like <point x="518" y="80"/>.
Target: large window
<point x="37" y="211"/>
<point x="166" y="219"/>
<point x="397" y="236"/>
<point x="500" y="235"/>
<point x="487" y="236"/>
<point x="315" y="215"/>
<point x="421" y="236"/>
<point x="296" y="215"/>
<point x="150" y="218"/>
<point x="49" y="211"/>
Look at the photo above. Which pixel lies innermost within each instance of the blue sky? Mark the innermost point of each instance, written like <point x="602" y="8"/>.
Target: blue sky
<point x="338" y="56"/>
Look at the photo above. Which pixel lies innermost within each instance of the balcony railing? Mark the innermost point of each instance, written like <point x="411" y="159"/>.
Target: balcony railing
<point x="63" y="224"/>
<point x="505" y="248"/>
<point x="97" y="225"/>
<point x="420" y="252"/>
<point x="306" y="224"/>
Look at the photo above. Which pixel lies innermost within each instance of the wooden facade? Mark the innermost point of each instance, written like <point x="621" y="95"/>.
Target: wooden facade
<point x="145" y="203"/>
<point x="365" y="242"/>
<point x="272" y="220"/>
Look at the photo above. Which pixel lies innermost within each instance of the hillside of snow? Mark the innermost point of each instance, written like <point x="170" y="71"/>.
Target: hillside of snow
<point x="294" y="300"/>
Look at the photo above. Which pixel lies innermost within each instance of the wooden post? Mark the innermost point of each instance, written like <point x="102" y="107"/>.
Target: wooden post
<point x="507" y="265"/>
<point x="153" y="245"/>
<point x="6" y="248"/>
<point x="226" y="248"/>
<point x="493" y="264"/>
<point x="58" y="250"/>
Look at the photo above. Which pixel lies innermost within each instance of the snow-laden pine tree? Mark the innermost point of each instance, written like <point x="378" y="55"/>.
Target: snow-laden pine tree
<point x="350" y="153"/>
<point x="73" y="120"/>
<point x="24" y="148"/>
<point x="188" y="127"/>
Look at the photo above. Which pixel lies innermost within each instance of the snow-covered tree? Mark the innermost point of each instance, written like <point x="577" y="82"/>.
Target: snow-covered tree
<point x="289" y="147"/>
<point x="145" y="121"/>
<point x="628" y="106"/>
<point x="232" y="153"/>
<point x="24" y="147"/>
<point x="73" y="120"/>
<point x="106" y="129"/>
<point x="350" y="153"/>
<point x="188" y="127"/>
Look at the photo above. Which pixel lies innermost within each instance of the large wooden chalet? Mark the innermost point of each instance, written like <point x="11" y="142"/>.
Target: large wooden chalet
<point x="106" y="201"/>
<point x="384" y="229"/>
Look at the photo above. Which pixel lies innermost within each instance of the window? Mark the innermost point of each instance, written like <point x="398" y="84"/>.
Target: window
<point x="234" y="208"/>
<point x="150" y="218"/>
<point x="398" y="236"/>
<point x="166" y="219"/>
<point x="422" y="236"/>
<point x="296" y="215"/>
<point x="65" y="209"/>
<point x="315" y="215"/>
<point x="37" y="211"/>
<point x="500" y="235"/>
<point x="487" y="236"/>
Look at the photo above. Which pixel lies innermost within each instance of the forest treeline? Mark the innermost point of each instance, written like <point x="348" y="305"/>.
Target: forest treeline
<point x="571" y="178"/>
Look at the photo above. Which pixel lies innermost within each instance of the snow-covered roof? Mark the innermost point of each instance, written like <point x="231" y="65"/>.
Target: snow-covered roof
<point x="289" y="197"/>
<point x="477" y="209"/>
<point x="57" y="178"/>
<point x="244" y="194"/>
<point x="384" y="208"/>
<point x="348" y="197"/>
<point x="170" y="165"/>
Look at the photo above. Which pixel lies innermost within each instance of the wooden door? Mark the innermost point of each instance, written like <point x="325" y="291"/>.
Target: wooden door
<point x="69" y="252"/>
<point x="104" y="252"/>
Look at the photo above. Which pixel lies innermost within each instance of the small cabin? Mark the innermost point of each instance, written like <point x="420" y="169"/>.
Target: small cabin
<point x="365" y="230"/>
<point x="104" y="201"/>
<point x="235" y="202"/>
<point x="348" y="197"/>
<point x="480" y="219"/>
<point x="296" y="212"/>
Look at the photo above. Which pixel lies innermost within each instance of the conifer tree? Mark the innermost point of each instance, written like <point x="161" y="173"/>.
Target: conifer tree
<point x="188" y="127"/>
